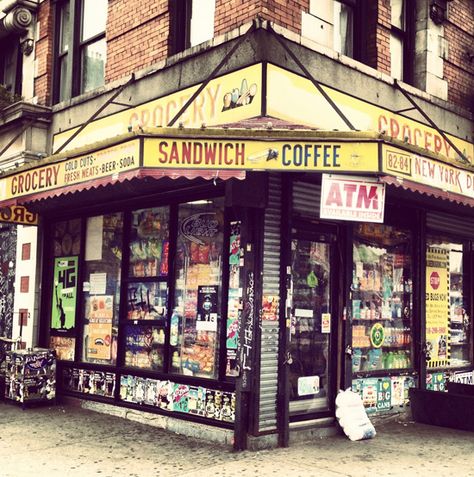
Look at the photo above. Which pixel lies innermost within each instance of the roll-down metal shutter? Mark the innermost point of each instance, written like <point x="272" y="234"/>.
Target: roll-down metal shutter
<point x="271" y="286"/>
<point x="462" y="226"/>
<point x="306" y="199"/>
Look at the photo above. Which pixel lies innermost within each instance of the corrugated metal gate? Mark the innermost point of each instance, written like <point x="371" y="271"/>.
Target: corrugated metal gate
<point x="271" y="286"/>
<point x="442" y="222"/>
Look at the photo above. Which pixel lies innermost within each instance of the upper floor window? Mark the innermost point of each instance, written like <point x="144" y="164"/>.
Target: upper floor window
<point x="331" y="23"/>
<point x="193" y="22"/>
<point x="80" y="47"/>
<point x="10" y="65"/>
<point x="401" y="14"/>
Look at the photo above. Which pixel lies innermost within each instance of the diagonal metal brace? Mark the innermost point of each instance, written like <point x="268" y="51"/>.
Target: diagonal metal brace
<point x="312" y="79"/>
<point x="431" y="122"/>
<point x="84" y="125"/>
<point x="212" y="75"/>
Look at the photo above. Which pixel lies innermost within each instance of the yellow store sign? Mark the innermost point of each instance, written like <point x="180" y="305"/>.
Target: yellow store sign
<point x="106" y="162"/>
<point x="306" y="105"/>
<point x="423" y="170"/>
<point x="261" y="155"/>
<point x="226" y="99"/>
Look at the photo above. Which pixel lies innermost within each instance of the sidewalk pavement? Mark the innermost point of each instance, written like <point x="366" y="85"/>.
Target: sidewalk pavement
<point x="69" y="441"/>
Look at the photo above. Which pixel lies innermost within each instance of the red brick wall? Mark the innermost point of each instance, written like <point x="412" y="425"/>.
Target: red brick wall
<point x="459" y="68"/>
<point x="44" y="54"/>
<point x="137" y="36"/>
<point x="231" y="14"/>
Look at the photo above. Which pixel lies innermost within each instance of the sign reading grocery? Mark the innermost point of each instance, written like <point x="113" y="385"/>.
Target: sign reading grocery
<point x="424" y="170"/>
<point x="106" y="162"/>
<point x="226" y="99"/>
<point x="261" y="155"/>
<point x="352" y="198"/>
<point x="17" y="214"/>
<point x="299" y="107"/>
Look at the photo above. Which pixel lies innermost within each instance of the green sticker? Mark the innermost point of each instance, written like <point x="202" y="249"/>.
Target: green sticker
<point x="377" y="335"/>
<point x="312" y="280"/>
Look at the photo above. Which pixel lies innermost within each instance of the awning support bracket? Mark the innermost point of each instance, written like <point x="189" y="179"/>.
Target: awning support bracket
<point x="85" y="124"/>
<point x="416" y="106"/>
<point x="212" y="75"/>
<point x="313" y="80"/>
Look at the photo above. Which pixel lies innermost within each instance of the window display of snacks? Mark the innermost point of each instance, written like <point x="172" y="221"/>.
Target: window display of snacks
<point x="195" y="321"/>
<point x="382" y="298"/>
<point x="147" y="301"/>
<point x="144" y="347"/>
<point x="101" y="288"/>
<point x="149" y="243"/>
<point x="448" y="332"/>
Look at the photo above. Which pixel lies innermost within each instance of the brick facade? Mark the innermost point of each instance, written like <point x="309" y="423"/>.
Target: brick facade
<point x="459" y="66"/>
<point x="44" y="54"/>
<point x="138" y="36"/>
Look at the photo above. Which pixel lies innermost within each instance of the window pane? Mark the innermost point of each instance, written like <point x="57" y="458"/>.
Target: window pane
<point x="144" y="347"/>
<point x="93" y="65"/>
<point x="195" y="321"/>
<point x="202" y="21"/>
<point x="94" y="18"/>
<point x="66" y="246"/>
<point x="63" y="79"/>
<point x="234" y="305"/>
<point x="382" y="298"/>
<point x="101" y="287"/>
<point x="147" y="301"/>
<point x="396" y="57"/>
<point x="343" y="41"/>
<point x="64" y="28"/>
<point x="149" y="243"/>
<point x="397" y="14"/>
<point x="448" y="335"/>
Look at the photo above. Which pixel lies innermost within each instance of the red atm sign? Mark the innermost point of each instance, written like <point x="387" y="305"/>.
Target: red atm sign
<point x="360" y="199"/>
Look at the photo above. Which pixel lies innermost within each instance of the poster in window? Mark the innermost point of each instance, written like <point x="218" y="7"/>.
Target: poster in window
<point x="101" y="311"/>
<point x="63" y="310"/>
<point x="64" y="347"/>
<point x="437" y="307"/>
<point x="207" y="308"/>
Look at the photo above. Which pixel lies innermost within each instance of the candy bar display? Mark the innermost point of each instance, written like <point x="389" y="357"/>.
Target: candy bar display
<point x="144" y="346"/>
<point x="149" y="243"/>
<point x="382" y="298"/>
<point x="30" y="375"/>
<point x="195" y="321"/>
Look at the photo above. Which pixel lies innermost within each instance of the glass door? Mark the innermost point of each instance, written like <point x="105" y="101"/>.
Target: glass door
<point x="309" y="356"/>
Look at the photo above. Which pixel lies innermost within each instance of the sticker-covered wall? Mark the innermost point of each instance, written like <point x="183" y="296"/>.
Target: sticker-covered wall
<point x="7" y="277"/>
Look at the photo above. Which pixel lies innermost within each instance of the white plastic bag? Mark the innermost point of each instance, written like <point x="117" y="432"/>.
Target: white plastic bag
<point x="351" y="415"/>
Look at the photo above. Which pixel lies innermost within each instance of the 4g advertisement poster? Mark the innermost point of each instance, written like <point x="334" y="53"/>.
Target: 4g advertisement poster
<point x="63" y="310"/>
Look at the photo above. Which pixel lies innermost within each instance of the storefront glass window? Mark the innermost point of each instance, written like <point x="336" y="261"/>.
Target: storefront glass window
<point x="66" y="246"/>
<point x="195" y="321"/>
<point x="147" y="298"/>
<point x="382" y="298"/>
<point x="101" y="287"/>
<point x="234" y="305"/>
<point x="149" y="243"/>
<point x="448" y="333"/>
